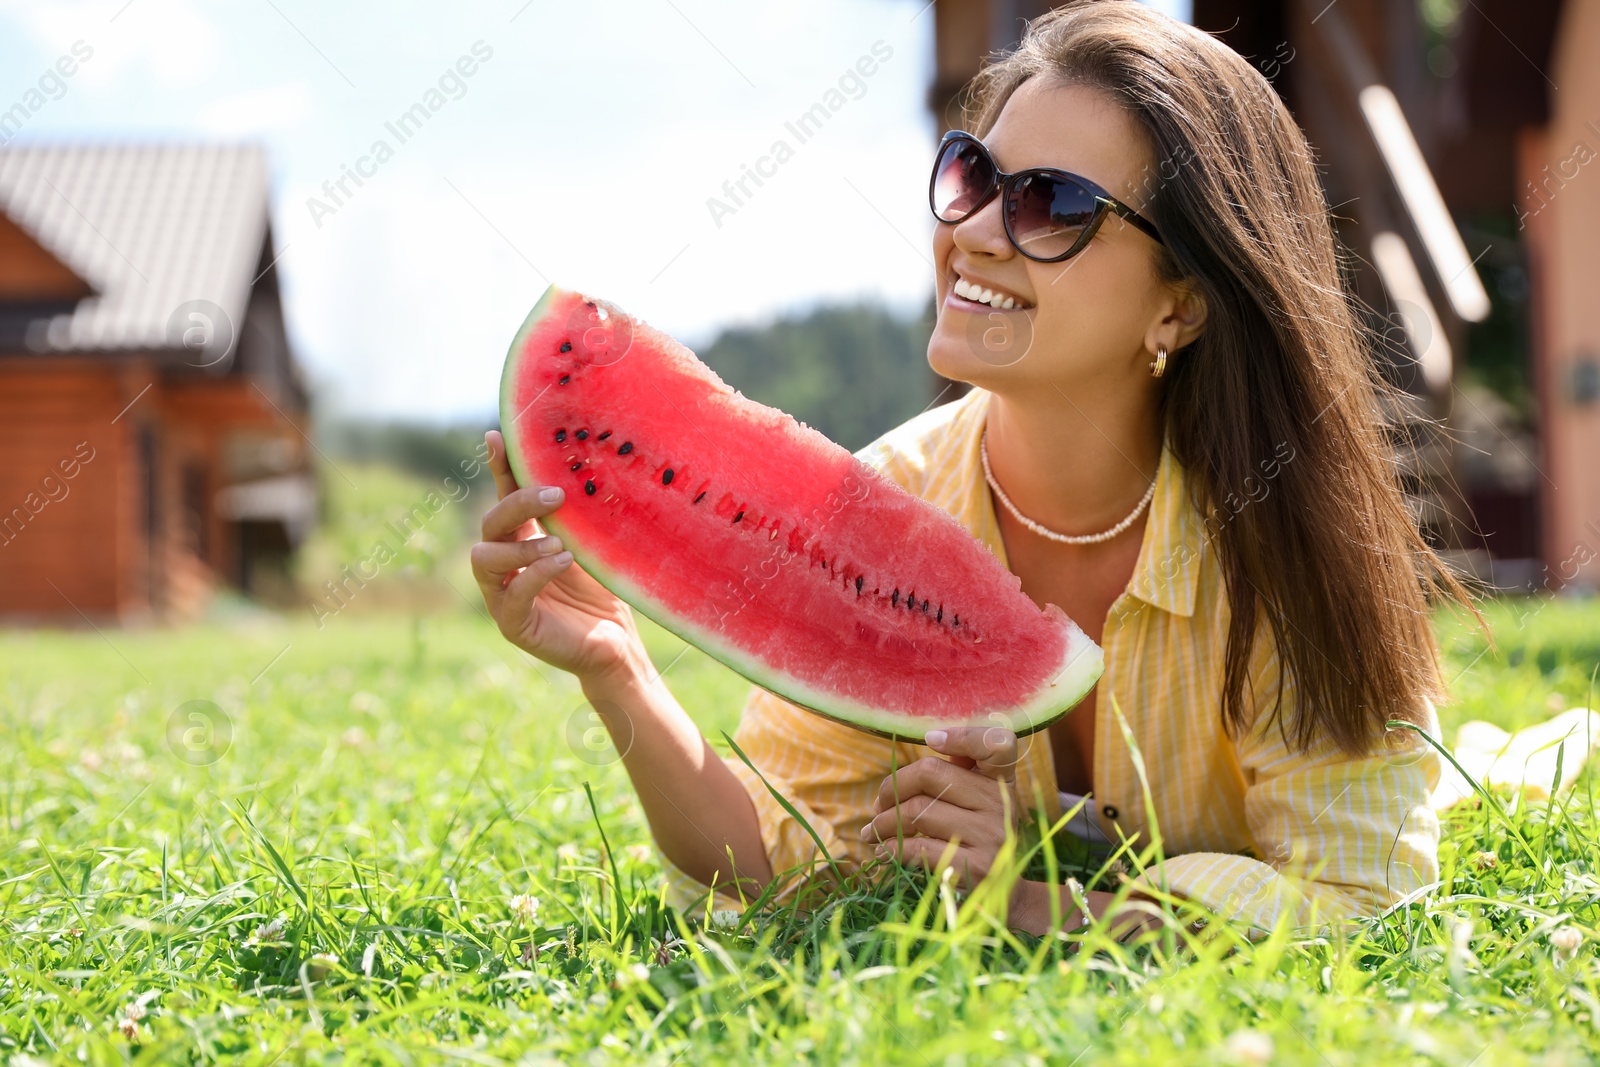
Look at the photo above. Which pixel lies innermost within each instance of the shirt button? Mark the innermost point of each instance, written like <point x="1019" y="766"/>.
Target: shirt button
<point x="1109" y="811"/>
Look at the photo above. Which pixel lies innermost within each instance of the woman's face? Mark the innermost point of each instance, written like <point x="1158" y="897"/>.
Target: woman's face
<point x="1086" y="320"/>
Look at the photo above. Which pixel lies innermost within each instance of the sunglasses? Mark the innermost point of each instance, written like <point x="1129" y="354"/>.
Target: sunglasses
<point x="1049" y="214"/>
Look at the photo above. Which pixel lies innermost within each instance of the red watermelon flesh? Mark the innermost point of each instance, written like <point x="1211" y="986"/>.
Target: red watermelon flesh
<point x="774" y="550"/>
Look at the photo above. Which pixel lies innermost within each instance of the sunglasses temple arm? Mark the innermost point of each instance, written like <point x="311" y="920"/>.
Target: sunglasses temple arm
<point x="1133" y="217"/>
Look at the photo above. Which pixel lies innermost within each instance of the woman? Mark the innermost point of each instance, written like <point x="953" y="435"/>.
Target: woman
<point x="1174" y="433"/>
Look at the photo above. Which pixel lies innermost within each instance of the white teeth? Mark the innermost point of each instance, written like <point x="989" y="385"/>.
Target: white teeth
<point x="981" y="295"/>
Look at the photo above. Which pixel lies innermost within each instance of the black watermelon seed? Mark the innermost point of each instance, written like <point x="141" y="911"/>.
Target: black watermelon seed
<point x="603" y="436"/>
<point x="564" y="379"/>
<point x="739" y="516"/>
<point x="666" y="476"/>
<point x="858" y="584"/>
<point x="702" y="496"/>
<point x="894" y="597"/>
<point x="925" y="607"/>
<point x="955" y="620"/>
<point x="578" y="464"/>
<point x="939" y="617"/>
<point x="566" y="346"/>
<point x="561" y="435"/>
<point x="588" y="487"/>
<point x="627" y="446"/>
<point x="582" y="435"/>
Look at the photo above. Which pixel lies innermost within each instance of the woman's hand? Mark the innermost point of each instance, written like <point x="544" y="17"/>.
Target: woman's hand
<point x="970" y="800"/>
<point x="543" y="602"/>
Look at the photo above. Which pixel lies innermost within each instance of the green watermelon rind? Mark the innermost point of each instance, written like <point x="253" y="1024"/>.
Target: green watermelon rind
<point x="1077" y="676"/>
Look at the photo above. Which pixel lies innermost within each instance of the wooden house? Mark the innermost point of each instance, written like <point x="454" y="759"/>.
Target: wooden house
<point x="152" y="418"/>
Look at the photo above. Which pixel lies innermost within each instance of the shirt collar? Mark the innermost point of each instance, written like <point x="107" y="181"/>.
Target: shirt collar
<point x="1167" y="573"/>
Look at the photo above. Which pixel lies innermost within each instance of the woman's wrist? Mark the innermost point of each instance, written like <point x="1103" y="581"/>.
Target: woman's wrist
<point x="1031" y="906"/>
<point x="630" y="673"/>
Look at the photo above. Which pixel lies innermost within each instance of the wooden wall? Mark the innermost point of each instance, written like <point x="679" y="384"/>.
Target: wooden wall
<point x="146" y="454"/>
<point x="1560" y="193"/>
<point x="69" y="539"/>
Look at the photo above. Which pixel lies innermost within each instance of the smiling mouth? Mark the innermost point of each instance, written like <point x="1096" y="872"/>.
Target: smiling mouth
<point x="994" y="298"/>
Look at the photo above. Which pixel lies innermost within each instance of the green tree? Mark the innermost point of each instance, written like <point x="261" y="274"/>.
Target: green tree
<point x="850" y="371"/>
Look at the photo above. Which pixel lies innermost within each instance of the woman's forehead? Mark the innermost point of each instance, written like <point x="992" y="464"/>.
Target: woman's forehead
<point x="1072" y="127"/>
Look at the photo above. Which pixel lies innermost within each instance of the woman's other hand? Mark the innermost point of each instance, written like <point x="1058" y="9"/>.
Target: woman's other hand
<point x="970" y="802"/>
<point x="543" y="602"/>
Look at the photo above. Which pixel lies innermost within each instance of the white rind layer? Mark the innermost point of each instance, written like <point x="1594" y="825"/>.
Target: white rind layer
<point x="1077" y="673"/>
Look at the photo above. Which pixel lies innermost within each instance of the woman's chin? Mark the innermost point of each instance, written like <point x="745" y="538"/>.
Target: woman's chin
<point x="942" y="363"/>
<point x="959" y="361"/>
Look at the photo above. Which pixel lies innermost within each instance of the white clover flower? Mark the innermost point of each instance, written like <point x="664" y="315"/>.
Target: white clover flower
<point x="318" y="966"/>
<point x="265" y="933"/>
<point x="725" y="918"/>
<point x="1249" y="1047"/>
<point x="128" y="1021"/>
<point x="664" y="948"/>
<point x="568" y="853"/>
<point x="525" y="909"/>
<point x="1566" y="941"/>
<point x="638" y="853"/>
<point x="125" y="754"/>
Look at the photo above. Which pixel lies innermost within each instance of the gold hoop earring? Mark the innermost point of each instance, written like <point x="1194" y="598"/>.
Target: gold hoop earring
<point x="1159" y="367"/>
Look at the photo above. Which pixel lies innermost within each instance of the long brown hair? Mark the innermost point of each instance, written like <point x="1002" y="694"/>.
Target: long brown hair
<point x="1284" y="367"/>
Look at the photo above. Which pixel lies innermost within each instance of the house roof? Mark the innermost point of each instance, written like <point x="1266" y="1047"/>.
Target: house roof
<point x="29" y="274"/>
<point x="151" y="227"/>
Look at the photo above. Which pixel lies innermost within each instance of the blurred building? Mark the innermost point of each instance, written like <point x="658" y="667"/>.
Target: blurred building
<point x="151" y="412"/>
<point x="1468" y="186"/>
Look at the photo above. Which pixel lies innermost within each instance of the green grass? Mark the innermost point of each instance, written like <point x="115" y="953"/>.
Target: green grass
<point x="387" y="791"/>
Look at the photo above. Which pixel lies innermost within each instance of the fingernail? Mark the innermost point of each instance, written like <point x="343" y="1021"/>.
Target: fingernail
<point x="936" y="738"/>
<point x="549" y="495"/>
<point x="563" y="559"/>
<point x="549" y="545"/>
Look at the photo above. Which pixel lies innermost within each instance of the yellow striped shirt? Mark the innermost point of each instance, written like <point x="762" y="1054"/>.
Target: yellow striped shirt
<point x="1252" y="829"/>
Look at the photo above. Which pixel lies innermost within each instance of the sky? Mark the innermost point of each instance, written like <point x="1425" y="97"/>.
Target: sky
<point x="590" y="146"/>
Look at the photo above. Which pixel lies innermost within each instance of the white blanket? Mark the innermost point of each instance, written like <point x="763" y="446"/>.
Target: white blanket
<point x="1525" y="760"/>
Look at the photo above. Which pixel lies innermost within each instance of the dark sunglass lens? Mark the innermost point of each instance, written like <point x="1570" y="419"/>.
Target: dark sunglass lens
<point x="961" y="176"/>
<point x="1048" y="214"/>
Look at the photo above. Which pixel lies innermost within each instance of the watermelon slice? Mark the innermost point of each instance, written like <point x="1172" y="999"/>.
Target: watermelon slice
<point x="756" y="539"/>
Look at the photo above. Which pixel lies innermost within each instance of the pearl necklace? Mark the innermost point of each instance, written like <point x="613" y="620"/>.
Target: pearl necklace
<point x="1066" y="539"/>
